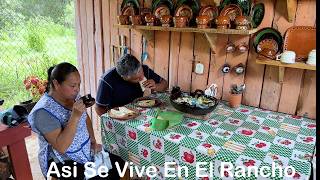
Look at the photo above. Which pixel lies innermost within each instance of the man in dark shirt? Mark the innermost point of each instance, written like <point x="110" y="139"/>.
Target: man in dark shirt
<point x="126" y="82"/>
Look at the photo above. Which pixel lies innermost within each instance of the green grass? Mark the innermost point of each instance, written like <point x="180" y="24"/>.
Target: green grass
<point x="18" y="60"/>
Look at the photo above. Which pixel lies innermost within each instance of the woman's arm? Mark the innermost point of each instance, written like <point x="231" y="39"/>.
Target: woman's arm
<point x="61" y="139"/>
<point x="90" y="130"/>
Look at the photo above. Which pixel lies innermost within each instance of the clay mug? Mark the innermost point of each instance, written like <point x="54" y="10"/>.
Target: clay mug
<point x="136" y="19"/>
<point x="202" y="21"/>
<point x="165" y="20"/>
<point x="180" y="21"/>
<point x="242" y="23"/>
<point x="123" y="19"/>
<point x="223" y="22"/>
<point x="288" y="57"/>
<point x="150" y="19"/>
<point x="312" y="58"/>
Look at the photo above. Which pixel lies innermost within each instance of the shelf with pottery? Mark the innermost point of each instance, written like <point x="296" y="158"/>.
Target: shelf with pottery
<point x="282" y="66"/>
<point x="209" y="33"/>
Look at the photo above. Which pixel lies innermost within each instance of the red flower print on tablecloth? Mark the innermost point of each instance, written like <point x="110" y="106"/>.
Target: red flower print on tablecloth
<point x="246" y="132"/>
<point x="306" y="139"/>
<point x="311" y="126"/>
<point x="248" y="163"/>
<point x="285" y="142"/>
<point x="132" y="135"/>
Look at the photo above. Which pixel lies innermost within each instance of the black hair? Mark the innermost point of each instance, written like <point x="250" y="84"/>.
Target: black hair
<point x="127" y="65"/>
<point x="59" y="73"/>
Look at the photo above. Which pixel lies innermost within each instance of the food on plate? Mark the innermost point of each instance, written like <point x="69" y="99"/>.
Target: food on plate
<point x="147" y="103"/>
<point x="201" y="101"/>
<point x="121" y="112"/>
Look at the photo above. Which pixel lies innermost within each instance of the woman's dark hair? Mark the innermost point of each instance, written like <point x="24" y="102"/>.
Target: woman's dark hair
<point x="59" y="72"/>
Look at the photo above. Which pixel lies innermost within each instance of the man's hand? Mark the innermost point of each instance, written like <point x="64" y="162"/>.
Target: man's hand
<point x="149" y="84"/>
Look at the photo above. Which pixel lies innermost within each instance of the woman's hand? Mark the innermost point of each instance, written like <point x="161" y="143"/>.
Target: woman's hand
<point x="96" y="147"/>
<point x="78" y="108"/>
<point x="150" y="83"/>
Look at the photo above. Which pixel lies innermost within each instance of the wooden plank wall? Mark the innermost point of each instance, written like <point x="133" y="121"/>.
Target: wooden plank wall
<point x="174" y="54"/>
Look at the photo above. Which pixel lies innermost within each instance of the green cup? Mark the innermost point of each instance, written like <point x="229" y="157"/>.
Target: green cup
<point x="159" y="124"/>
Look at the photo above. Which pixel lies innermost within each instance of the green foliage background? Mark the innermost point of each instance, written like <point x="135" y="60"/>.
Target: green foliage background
<point x="34" y="35"/>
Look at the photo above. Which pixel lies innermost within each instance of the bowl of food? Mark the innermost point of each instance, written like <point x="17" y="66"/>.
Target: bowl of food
<point x="196" y="103"/>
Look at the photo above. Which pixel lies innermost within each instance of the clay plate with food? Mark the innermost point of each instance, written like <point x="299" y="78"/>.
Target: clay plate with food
<point x="123" y="113"/>
<point x="147" y="102"/>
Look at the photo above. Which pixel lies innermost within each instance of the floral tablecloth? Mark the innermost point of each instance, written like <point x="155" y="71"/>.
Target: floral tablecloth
<point x="246" y="136"/>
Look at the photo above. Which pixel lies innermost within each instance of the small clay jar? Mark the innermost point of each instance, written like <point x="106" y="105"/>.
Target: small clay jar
<point x="243" y="47"/>
<point x="123" y="19"/>
<point x="150" y="19"/>
<point x="242" y="23"/>
<point x="165" y="20"/>
<point x="136" y="19"/>
<point x="223" y="22"/>
<point x="202" y="21"/>
<point x="180" y="21"/>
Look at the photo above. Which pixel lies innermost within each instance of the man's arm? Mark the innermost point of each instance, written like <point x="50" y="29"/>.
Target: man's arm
<point x="162" y="86"/>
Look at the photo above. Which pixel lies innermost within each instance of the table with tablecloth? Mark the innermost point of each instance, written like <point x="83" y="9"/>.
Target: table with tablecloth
<point x="245" y="136"/>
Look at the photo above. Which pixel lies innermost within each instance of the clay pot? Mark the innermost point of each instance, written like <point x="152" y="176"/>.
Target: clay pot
<point x="136" y="19"/>
<point x="202" y="21"/>
<point x="223" y="22"/>
<point x="235" y="100"/>
<point x="242" y="23"/>
<point x="123" y="19"/>
<point x="230" y="47"/>
<point x="243" y="47"/>
<point x="180" y="21"/>
<point x="165" y="20"/>
<point x="268" y="53"/>
<point x="150" y="19"/>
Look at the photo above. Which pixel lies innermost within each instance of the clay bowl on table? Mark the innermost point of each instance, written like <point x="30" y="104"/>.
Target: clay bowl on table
<point x="242" y="23"/>
<point x="150" y="19"/>
<point x="223" y="22"/>
<point x="123" y="19"/>
<point x="136" y="19"/>
<point x="180" y="21"/>
<point x="202" y="21"/>
<point x="165" y="20"/>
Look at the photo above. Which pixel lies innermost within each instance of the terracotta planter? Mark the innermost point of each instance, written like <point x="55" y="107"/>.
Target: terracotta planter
<point x="235" y="100"/>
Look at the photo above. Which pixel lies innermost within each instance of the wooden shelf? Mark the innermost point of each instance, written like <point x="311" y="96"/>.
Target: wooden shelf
<point x="189" y="29"/>
<point x="282" y="66"/>
<point x="297" y="65"/>
<point x="210" y="33"/>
